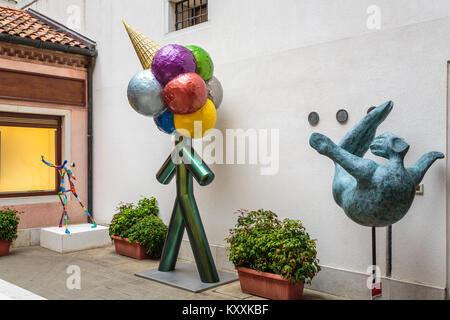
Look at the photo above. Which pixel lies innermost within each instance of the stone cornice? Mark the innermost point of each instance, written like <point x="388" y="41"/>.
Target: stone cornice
<point x="42" y="56"/>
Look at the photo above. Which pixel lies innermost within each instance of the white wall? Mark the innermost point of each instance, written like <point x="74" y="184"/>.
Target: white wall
<point x="71" y="13"/>
<point x="278" y="62"/>
<point x="14" y="3"/>
<point x="448" y="175"/>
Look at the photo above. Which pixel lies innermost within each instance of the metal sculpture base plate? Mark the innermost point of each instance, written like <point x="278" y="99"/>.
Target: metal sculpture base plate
<point x="186" y="277"/>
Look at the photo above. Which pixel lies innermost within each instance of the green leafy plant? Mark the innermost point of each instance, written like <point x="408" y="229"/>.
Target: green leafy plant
<point x="128" y="215"/>
<point x="262" y="242"/>
<point x="140" y="224"/>
<point x="151" y="233"/>
<point x="9" y="221"/>
<point x="147" y="207"/>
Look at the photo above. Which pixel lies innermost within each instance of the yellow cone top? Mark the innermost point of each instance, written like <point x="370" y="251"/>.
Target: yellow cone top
<point x="144" y="47"/>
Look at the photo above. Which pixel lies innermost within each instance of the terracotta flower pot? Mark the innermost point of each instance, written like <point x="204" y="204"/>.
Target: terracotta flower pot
<point x="126" y="248"/>
<point x="4" y="247"/>
<point x="268" y="285"/>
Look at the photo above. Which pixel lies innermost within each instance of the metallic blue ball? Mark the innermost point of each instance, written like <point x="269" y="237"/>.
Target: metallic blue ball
<point x="165" y="123"/>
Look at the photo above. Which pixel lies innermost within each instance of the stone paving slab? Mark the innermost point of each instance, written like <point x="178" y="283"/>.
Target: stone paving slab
<point x="105" y="275"/>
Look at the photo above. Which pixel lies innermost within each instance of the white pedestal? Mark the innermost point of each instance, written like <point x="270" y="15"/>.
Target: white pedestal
<point x="9" y="291"/>
<point x="81" y="237"/>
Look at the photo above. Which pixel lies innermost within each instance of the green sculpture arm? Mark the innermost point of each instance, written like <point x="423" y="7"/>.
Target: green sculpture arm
<point x="418" y="170"/>
<point x="361" y="169"/>
<point x="200" y="171"/>
<point x="167" y="171"/>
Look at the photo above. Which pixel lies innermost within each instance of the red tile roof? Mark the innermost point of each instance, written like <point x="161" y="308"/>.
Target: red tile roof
<point x="20" y="23"/>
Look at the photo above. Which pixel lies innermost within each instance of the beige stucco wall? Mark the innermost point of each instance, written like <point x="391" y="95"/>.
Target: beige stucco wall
<point x="46" y="210"/>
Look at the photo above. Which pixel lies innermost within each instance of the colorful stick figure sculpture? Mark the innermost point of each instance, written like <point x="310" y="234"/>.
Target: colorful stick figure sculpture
<point x="372" y="194"/>
<point x="177" y="88"/>
<point x="63" y="171"/>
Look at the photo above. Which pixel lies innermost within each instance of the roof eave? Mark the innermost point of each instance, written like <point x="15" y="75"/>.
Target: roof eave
<point x="37" y="43"/>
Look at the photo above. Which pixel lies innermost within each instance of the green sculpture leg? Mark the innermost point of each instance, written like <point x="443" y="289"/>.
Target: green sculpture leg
<point x="173" y="239"/>
<point x="196" y="232"/>
<point x="186" y="214"/>
<point x="199" y="243"/>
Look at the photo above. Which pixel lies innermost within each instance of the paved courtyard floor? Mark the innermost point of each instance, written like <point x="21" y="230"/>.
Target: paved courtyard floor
<point x="104" y="276"/>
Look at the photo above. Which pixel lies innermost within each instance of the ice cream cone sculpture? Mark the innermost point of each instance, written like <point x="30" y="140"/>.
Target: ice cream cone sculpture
<point x="177" y="86"/>
<point x="144" y="47"/>
<point x="178" y="89"/>
<point x="63" y="171"/>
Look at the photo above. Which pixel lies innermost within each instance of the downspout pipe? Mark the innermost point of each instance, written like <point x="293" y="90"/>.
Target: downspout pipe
<point x="90" y="136"/>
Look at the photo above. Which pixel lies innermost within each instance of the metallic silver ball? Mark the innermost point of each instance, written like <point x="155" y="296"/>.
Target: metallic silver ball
<point x="215" y="91"/>
<point x="144" y="94"/>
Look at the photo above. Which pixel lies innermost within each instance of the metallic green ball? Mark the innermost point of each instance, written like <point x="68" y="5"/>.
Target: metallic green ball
<point x="205" y="66"/>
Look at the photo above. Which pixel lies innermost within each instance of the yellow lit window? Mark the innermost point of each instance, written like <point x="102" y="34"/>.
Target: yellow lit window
<point x="23" y="139"/>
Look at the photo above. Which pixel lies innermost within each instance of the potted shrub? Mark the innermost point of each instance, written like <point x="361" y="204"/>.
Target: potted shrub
<point x="9" y="221"/>
<point x="150" y="232"/>
<point x="274" y="258"/>
<point x="137" y="231"/>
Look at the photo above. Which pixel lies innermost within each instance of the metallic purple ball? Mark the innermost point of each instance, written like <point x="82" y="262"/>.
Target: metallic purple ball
<point x="171" y="61"/>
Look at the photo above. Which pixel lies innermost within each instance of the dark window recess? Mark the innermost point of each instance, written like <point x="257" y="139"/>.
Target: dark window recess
<point x="190" y="12"/>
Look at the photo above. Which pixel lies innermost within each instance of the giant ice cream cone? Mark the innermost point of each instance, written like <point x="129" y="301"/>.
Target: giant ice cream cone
<point x="145" y="48"/>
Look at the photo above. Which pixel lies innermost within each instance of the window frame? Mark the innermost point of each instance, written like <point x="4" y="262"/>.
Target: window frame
<point x="58" y="148"/>
<point x="194" y="13"/>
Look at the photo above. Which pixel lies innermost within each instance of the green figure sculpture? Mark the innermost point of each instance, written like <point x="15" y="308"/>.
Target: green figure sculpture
<point x="185" y="214"/>
<point x="372" y="194"/>
<point x="150" y="94"/>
